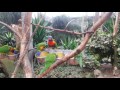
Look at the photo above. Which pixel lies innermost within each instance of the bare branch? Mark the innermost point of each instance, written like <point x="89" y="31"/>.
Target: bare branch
<point x="116" y="26"/>
<point x="9" y="27"/>
<point x="81" y="47"/>
<point x="61" y="30"/>
<point x="69" y="23"/>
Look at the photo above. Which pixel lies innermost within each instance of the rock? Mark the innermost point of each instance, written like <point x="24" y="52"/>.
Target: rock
<point x="97" y="73"/>
<point x="115" y="71"/>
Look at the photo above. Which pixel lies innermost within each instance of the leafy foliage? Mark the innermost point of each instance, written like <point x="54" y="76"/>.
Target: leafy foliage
<point x="7" y="38"/>
<point x="80" y="59"/>
<point x="41" y="32"/>
<point x="69" y="43"/>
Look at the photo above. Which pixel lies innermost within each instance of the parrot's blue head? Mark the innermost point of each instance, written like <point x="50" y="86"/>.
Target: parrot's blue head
<point x="37" y="54"/>
<point x="50" y="37"/>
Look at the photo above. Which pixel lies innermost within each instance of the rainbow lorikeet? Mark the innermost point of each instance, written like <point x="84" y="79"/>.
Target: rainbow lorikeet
<point x="41" y="46"/>
<point x="8" y="49"/>
<point x="51" y="42"/>
<point x="5" y="49"/>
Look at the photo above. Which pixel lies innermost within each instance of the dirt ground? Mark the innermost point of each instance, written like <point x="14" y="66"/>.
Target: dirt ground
<point x="66" y="71"/>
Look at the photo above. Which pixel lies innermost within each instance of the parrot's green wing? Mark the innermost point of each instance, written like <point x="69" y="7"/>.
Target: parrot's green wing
<point x="40" y="44"/>
<point x="4" y="49"/>
<point x="56" y="45"/>
<point x="49" y="60"/>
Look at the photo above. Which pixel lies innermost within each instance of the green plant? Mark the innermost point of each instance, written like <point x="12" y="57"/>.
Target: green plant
<point x="7" y="38"/>
<point x="69" y="43"/>
<point x="41" y="32"/>
<point x="79" y="58"/>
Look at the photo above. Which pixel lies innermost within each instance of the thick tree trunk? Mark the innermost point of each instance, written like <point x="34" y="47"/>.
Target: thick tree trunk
<point x="116" y="26"/>
<point x="26" y="23"/>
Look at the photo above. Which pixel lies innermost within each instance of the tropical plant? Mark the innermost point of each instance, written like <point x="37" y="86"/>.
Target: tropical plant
<point x="69" y="43"/>
<point x="79" y="58"/>
<point x="41" y="32"/>
<point x="7" y="38"/>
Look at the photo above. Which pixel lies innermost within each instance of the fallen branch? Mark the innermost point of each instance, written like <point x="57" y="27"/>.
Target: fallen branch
<point x="13" y="30"/>
<point x="62" y="30"/>
<point x="81" y="47"/>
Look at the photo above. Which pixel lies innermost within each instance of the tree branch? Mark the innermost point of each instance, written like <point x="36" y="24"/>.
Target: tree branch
<point x="116" y="25"/>
<point x="68" y="24"/>
<point x="81" y="46"/>
<point x="61" y="30"/>
<point x="9" y="27"/>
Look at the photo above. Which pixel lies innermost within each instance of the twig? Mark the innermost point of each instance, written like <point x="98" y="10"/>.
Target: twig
<point x="68" y="24"/>
<point x="105" y="27"/>
<point x="25" y="51"/>
<point x="81" y="47"/>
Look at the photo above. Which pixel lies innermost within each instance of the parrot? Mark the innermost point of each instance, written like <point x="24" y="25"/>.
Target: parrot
<point x="14" y="50"/>
<point x="51" y="42"/>
<point x="5" y="49"/>
<point x="41" y="46"/>
<point x="49" y="60"/>
<point x="8" y="49"/>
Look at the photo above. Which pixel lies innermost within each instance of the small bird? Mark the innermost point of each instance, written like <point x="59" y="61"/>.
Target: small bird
<point x="41" y="46"/>
<point x="51" y="42"/>
<point x="5" y="49"/>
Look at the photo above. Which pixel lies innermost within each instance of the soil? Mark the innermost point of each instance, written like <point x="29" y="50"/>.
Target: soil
<point x="68" y="71"/>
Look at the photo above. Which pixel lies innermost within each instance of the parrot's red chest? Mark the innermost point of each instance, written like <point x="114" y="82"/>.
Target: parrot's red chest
<point x="51" y="43"/>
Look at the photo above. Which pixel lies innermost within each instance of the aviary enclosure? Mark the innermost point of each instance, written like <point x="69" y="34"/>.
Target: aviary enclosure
<point x="66" y="47"/>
